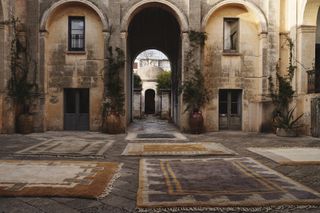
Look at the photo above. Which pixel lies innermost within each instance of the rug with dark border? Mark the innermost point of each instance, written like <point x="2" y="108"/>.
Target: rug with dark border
<point x="290" y="155"/>
<point x="217" y="182"/>
<point x="199" y="148"/>
<point x="83" y="179"/>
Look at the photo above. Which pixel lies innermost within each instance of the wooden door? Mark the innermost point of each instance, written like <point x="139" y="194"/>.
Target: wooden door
<point x="230" y="110"/>
<point x="76" y="109"/>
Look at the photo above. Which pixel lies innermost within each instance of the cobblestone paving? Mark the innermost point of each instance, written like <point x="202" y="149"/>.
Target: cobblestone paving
<point x="123" y="196"/>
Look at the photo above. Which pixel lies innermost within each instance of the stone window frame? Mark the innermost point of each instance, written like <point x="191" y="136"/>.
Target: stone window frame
<point x="233" y="49"/>
<point x="75" y="49"/>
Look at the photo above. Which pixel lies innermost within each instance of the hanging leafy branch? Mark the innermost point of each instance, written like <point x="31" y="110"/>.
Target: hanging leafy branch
<point x="19" y="86"/>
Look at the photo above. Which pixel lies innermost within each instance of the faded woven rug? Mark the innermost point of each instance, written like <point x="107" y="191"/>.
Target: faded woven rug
<point x="216" y="182"/>
<point x="83" y="179"/>
<point x="155" y="136"/>
<point x="201" y="148"/>
<point x="290" y="156"/>
<point x="69" y="146"/>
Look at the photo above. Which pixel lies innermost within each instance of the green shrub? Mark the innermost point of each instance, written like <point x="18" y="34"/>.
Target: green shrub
<point x="164" y="81"/>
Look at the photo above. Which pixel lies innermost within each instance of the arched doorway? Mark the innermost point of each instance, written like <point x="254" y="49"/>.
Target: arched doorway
<point x="149" y="101"/>
<point x="155" y="26"/>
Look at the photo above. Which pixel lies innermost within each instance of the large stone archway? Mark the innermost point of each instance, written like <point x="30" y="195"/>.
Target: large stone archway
<point x="226" y="69"/>
<point x="308" y="12"/>
<point x="63" y="69"/>
<point x="252" y="8"/>
<point x="48" y="13"/>
<point x="155" y="25"/>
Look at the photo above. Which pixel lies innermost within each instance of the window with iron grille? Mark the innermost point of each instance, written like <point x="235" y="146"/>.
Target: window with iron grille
<point x="76" y="33"/>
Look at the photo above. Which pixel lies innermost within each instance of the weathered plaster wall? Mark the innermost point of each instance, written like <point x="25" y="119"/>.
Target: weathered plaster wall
<point x="6" y="105"/>
<point x="232" y="71"/>
<point x="73" y="70"/>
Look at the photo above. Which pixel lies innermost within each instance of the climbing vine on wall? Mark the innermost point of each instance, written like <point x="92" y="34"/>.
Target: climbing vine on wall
<point x="114" y="95"/>
<point x="282" y="93"/>
<point x="20" y="87"/>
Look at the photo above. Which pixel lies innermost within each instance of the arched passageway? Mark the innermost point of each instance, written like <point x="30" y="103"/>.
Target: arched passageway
<point x="155" y="26"/>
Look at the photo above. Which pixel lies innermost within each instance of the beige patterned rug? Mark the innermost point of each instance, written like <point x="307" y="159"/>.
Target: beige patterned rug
<point x="216" y="182"/>
<point x="290" y="156"/>
<point x="85" y="179"/>
<point x="70" y="147"/>
<point x="201" y="148"/>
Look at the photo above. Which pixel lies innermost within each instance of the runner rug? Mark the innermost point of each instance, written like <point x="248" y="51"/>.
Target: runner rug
<point x="290" y="156"/>
<point x="84" y="179"/>
<point x="216" y="182"/>
<point x="144" y="149"/>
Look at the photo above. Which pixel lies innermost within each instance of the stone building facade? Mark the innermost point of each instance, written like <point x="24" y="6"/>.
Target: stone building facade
<point x="69" y="40"/>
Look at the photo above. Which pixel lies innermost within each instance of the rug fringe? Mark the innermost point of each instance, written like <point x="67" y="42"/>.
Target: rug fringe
<point x="109" y="187"/>
<point x="282" y="208"/>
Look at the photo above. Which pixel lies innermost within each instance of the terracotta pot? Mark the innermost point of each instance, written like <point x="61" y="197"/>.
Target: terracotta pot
<point x="196" y="122"/>
<point x="113" y="124"/>
<point x="286" y="132"/>
<point x="25" y="124"/>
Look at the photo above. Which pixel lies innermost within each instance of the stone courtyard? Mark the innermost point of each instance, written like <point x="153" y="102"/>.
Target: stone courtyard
<point x="123" y="196"/>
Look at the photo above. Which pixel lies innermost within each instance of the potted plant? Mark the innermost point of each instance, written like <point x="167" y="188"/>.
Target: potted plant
<point x="114" y="96"/>
<point x="195" y="94"/>
<point x="20" y="88"/>
<point x="283" y="119"/>
<point x="286" y="124"/>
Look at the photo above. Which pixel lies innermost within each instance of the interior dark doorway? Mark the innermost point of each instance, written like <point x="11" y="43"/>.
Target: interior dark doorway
<point x="150" y="101"/>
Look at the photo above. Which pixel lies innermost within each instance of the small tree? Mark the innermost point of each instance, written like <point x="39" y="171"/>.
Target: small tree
<point x="164" y="81"/>
<point x="195" y="94"/>
<point x="137" y="83"/>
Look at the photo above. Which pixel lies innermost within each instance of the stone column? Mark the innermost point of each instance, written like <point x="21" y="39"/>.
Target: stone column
<point x="306" y="39"/>
<point x="127" y="79"/>
<point x="2" y="81"/>
<point x="137" y="104"/>
<point x="165" y="104"/>
<point x="183" y="121"/>
<point x="263" y="63"/>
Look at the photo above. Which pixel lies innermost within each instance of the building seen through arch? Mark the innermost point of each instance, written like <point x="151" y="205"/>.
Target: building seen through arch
<point x="148" y="66"/>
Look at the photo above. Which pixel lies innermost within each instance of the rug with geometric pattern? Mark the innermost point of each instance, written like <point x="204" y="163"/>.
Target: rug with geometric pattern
<point x="216" y="182"/>
<point x="85" y="179"/>
<point x="199" y="148"/>
<point x="69" y="147"/>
